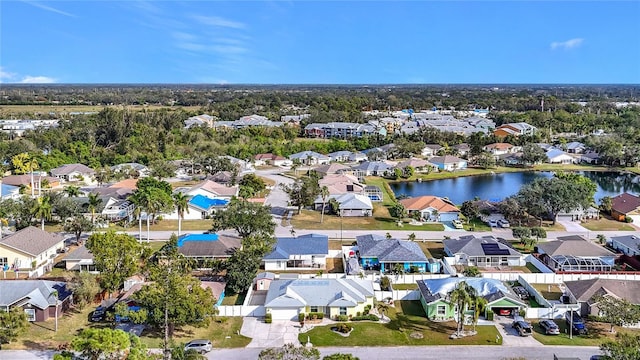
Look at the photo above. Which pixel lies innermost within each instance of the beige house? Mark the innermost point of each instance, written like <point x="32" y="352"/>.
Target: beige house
<point x="29" y="249"/>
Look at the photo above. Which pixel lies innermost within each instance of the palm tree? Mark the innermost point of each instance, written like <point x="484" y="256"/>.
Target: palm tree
<point x="181" y="201"/>
<point x="324" y="193"/>
<point x="141" y="201"/>
<point x="23" y="163"/>
<point x="72" y="191"/>
<point x="94" y="202"/>
<point x="382" y="308"/>
<point x="43" y="209"/>
<point x="479" y="304"/>
<point x="461" y="296"/>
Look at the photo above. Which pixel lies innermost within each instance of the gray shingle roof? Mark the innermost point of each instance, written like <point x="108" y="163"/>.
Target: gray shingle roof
<point x="37" y="292"/>
<point x="309" y="244"/>
<point x="472" y="246"/>
<point x="318" y="292"/>
<point x="223" y="246"/>
<point x="32" y="241"/>
<point x="389" y="250"/>
<point x="81" y="253"/>
<point x="69" y="168"/>
<point x="630" y="241"/>
<point x="584" y="290"/>
<point x="573" y="245"/>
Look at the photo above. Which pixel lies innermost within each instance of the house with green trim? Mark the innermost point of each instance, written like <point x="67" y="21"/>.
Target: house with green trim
<point x="434" y="296"/>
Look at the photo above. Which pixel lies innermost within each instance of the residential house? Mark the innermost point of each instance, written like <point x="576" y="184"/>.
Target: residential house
<point x="341" y="184"/>
<point x="294" y="119"/>
<point x="381" y="153"/>
<point x="449" y="163"/>
<point x="626" y="206"/>
<point x="419" y="165"/>
<point x="205" y="247"/>
<point x="342" y="130"/>
<point x="118" y="210"/>
<point x="590" y="157"/>
<point x="81" y="259"/>
<point x="627" y="244"/>
<point x="431" y="208"/>
<point x="340" y="156"/>
<point x="137" y="169"/>
<point x="586" y="293"/>
<point x="17" y="127"/>
<point x="357" y="157"/>
<point x="515" y="129"/>
<point x="212" y="190"/>
<point x="576" y="147"/>
<point x="333" y="168"/>
<point x="253" y="121"/>
<point x="203" y="120"/>
<point x="378" y="253"/>
<point x="37" y="298"/>
<point x="223" y="177"/>
<point x="243" y="166"/>
<point x="309" y="158"/>
<point x="271" y="159"/>
<point x="9" y="191"/>
<point x="437" y="304"/>
<point x="29" y="248"/>
<point x="308" y="251"/>
<point x="578" y="214"/>
<point x="575" y="253"/>
<point x="74" y="172"/>
<point x="200" y="207"/>
<point x="486" y="251"/>
<point x="349" y="204"/>
<point x="374" y="193"/>
<point x="41" y="182"/>
<point x="373" y="168"/>
<point x="332" y="297"/>
<point x="557" y="156"/>
<point x="497" y="149"/>
<point x="431" y="150"/>
<point x="462" y="149"/>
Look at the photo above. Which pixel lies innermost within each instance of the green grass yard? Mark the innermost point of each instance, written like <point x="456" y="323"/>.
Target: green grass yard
<point x="406" y="318"/>
<point x="310" y="220"/>
<point x="597" y="334"/>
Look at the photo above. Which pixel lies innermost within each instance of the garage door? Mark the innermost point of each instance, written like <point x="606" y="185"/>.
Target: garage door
<point x="284" y="314"/>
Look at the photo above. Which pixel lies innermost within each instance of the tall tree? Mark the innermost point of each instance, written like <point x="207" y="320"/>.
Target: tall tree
<point x="246" y="218"/>
<point x="43" y="209"/>
<point x="105" y="343"/>
<point x="532" y="154"/>
<point x="616" y="311"/>
<point x="624" y="347"/>
<point x="78" y="225"/>
<point x="324" y="194"/>
<point x="23" y="163"/>
<point x="94" y="203"/>
<point x="181" y="201"/>
<point x="241" y="269"/>
<point x="461" y="297"/>
<point x="116" y="256"/>
<point x="12" y="324"/>
<point x="303" y="192"/>
<point x="72" y="191"/>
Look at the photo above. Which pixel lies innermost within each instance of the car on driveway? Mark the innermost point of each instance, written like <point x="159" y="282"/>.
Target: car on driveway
<point x="550" y="327"/>
<point x="457" y="224"/>
<point x="98" y="314"/>
<point x="493" y="223"/>
<point x="503" y="223"/>
<point x="579" y="328"/>
<point x="523" y="328"/>
<point x="200" y="346"/>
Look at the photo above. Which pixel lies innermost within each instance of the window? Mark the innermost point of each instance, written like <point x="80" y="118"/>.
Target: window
<point x="313" y="309"/>
<point x="3" y="262"/>
<point x="31" y="314"/>
<point x="441" y="310"/>
<point x="343" y="311"/>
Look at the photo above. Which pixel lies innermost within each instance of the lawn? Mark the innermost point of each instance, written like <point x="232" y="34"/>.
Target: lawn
<point x="405" y="286"/>
<point x="548" y="291"/>
<point x="532" y="268"/>
<point x="598" y="333"/>
<point x="476" y="225"/>
<point x="172" y="225"/>
<point x="310" y="220"/>
<point x="18" y="109"/>
<point x="387" y="194"/>
<point x="434" y="249"/>
<point x="407" y="318"/>
<point x="607" y="224"/>
<point x="41" y="336"/>
<point x="234" y="299"/>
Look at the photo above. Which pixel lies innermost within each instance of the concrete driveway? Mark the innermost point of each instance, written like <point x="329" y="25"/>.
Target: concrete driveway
<point x="573" y="226"/>
<point x="265" y="335"/>
<point x="510" y="336"/>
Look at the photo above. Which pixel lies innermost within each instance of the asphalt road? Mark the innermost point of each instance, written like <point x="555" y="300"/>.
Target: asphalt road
<point x="386" y="353"/>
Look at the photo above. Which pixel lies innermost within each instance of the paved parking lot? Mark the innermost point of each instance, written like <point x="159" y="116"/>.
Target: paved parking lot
<point x="265" y="335"/>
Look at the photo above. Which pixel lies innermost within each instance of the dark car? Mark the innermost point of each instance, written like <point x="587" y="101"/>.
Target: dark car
<point x="574" y="321"/>
<point x="523" y="328"/>
<point x="550" y="327"/>
<point x="98" y="314"/>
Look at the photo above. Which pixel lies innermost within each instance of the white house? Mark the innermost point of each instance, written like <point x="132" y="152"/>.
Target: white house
<point x="74" y="172"/>
<point x="308" y="251"/>
<point x="557" y="156"/>
<point x="310" y="158"/>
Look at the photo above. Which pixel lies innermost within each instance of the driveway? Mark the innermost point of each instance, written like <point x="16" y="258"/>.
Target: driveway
<point x="573" y="226"/>
<point x="510" y="335"/>
<point x="265" y="335"/>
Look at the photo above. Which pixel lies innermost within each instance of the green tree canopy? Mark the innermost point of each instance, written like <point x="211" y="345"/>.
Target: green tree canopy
<point x="105" y="343"/>
<point x="116" y="256"/>
<point x="624" y="347"/>
<point x="12" y="324"/>
<point x="616" y="311"/>
<point x="247" y="218"/>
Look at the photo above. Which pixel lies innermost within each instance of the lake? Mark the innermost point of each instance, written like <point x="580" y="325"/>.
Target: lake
<point x="495" y="187"/>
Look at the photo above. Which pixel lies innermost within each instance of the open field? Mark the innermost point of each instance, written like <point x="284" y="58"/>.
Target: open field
<point x="597" y="334"/>
<point x="407" y="318"/>
<point x="310" y="220"/>
<point x="606" y="224"/>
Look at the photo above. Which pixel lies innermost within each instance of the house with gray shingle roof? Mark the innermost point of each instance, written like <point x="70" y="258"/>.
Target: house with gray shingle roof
<point x="310" y="158"/>
<point x="308" y="251"/>
<point x="332" y="297"/>
<point x="585" y="292"/>
<point x="575" y="253"/>
<point x="36" y="297"/>
<point x="81" y="259"/>
<point x="628" y="244"/>
<point x="435" y="300"/>
<point x="28" y="247"/>
<point x="74" y="172"/>
<point x="376" y="252"/>
<point x="483" y="251"/>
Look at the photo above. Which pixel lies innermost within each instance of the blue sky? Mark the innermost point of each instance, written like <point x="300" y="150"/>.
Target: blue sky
<point x="320" y="42"/>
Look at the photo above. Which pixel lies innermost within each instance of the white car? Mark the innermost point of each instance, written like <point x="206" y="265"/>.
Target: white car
<point x="493" y="223"/>
<point x="457" y="224"/>
<point x="503" y="223"/>
<point x="201" y="346"/>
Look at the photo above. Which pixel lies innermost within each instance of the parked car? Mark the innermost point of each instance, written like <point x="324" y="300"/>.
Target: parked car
<point x="523" y="328"/>
<point x="521" y="292"/>
<point x="457" y="224"/>
<point x="98" y="314"/>
<point x="201" y="346"/>
<point x="503" y="223"/>
<point x="597" y="357"/>
<point x="493" y="223"/>
<point x="579" y="327"/>
<point x="550" y="327"/>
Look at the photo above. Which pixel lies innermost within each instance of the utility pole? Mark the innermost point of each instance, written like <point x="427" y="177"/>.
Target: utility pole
<point x="571" y="325"/>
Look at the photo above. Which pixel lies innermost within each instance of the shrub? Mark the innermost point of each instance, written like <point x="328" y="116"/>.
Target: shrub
<point x="490" y="316"/>
<point x="385" y="283"/>
<point x="628" y="220"/>
<point x="342" y="318"/>
<point x="267" y="318"/>
<point x="365" y="317"/>
<point x="343" y="328"/>
<point x="315" y="316"/>
<point x="358" y="314"/>
<point x="301" y="317"/>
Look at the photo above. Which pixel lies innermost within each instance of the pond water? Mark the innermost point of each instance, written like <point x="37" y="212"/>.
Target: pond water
<point x="495" y="187"/>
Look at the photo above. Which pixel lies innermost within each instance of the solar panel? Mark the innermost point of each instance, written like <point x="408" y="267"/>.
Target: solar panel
<point x="494" y="249"/>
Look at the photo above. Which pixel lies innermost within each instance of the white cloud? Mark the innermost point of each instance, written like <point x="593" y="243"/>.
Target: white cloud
<point x="219" y="22"/>
<point x="48" y="8"/>
<point x="5" y="75"/>
<point x="569" y="44"/>
<point x="179" y="35"/>
<point x="37" y="80"/>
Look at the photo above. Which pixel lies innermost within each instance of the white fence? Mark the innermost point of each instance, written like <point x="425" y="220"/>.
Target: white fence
<point x="533" y="291"/>
<point x="538" y="264"/>
<point x="241" y="310"/>
<point x="398" y="295"/>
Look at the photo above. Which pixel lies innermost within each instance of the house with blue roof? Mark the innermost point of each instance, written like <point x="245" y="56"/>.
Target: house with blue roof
<point x="557" y="156"/>
<point x="308" y="251"/>
<point x="201" y="207"/>
<point x="376" y="252"/>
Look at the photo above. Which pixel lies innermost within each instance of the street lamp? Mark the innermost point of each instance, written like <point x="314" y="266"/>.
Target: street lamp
<point x="340" y="225"/>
